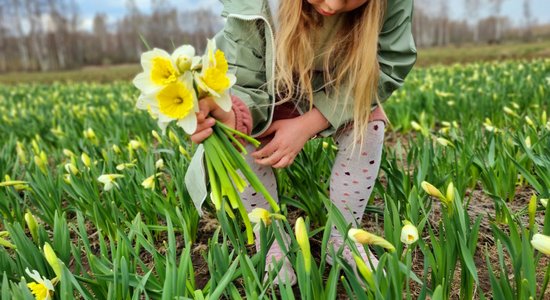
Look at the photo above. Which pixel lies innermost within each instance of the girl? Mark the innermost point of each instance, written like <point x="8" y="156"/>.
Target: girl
<point x="307" y="68"/>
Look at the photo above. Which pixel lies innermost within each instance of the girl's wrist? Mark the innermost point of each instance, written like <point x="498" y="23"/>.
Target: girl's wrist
<point x="314" y="122"/>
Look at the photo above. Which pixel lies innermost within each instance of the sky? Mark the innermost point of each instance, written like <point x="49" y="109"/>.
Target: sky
<point x="117" y="8"/>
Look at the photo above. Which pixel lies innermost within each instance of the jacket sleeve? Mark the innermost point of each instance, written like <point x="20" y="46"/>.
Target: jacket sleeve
<point x="396" y="48"/>
<point x="246" y="61"/>
<point x="396" y="56"/>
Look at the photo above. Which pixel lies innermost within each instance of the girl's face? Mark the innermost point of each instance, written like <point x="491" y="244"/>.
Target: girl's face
<point x="333" y="7"/>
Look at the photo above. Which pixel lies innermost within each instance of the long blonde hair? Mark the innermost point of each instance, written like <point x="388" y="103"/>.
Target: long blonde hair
<point x="350" y="59"/>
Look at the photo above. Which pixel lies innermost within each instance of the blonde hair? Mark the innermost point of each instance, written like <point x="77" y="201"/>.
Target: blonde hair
<point x="350" y="59"/>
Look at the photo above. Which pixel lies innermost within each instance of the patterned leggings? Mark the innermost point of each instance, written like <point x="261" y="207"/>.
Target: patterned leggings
<point x="353" y="174"/>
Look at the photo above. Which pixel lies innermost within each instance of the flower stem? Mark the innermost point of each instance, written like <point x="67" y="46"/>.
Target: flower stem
<point x="245" y="169"/>
<point x="245" y="137"/>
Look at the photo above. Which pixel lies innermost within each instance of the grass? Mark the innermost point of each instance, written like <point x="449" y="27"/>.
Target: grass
<point x="426" y="57"/>
<point x="478" y="53"/>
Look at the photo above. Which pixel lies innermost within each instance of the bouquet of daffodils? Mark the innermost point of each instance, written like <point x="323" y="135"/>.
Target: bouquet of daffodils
<point x="170" y="86"/>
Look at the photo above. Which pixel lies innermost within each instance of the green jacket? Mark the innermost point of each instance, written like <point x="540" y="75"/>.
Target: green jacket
<point x="248" y="42"/>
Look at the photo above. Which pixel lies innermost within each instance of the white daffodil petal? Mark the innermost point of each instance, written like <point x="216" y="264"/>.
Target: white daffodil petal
<point x="185" y="50"/>
<point x="39" y="279"/>
<point x="108" y="186"/>
<point x="148" y="56"/>
<point x="196" y="63"/>
<point x="143" y="82"/>
<point x="145" y="101"/>
<point x="232" y="79"/>
<point x="189" y="123"/>
<point x="224" y="101"/>
<point x="200" y="82"/>
<point x="104" y="179"/>
<point x="165" y="118"/>
<point x="163" y="126"/>
<point x="34" y="275"/>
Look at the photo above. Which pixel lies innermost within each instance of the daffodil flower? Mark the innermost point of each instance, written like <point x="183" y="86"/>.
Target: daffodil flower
<point x="42" y="288"/>
<point x="175" y="101"/>
<point x="214" y="78"/>
<point x="159" y="164"/>
<point x="109" y="180"/>
<point x="367" y="238"/>
<point x="71" y="168"/>
<point x="90" y="134"/>
<point x="149" y="182"/>
<point x="159" y="70"/>
<point x="258" y="215"/>
<point x="409" y="233"/>
<point x="444" y="142"/>
<point x="541" y="242"/>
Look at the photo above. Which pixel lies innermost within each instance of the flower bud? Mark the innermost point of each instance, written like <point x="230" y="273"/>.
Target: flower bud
<point x="409" y="233"/>
<point x="432" y="190"/>
<point x="364" y="270"/>
<point x="303" y="241"/>
<point x="541" y="243"/>
<point x="156" y="135"/>
<point x="32" y="225"/>
<point x="86" y="159"/>
<point x="450" y="194"/>
<point x="116" y="149"/>
<point x="184" y="63"/>
<point x="367" y="238"/>
<point x="52" y="260"/>
<point x="20" y="149"/>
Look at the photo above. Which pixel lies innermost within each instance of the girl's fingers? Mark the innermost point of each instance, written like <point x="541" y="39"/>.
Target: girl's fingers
<point x="271" y="159"/>
<point x="207" y="123"/>
<point x="199" y="136"/>
<point x="267" y="150"/>
<point x="284" y="162"/>
<point x="205" y="106"/>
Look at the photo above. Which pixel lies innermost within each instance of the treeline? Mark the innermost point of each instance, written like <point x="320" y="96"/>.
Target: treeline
<point x="432" y="25"/>
<point x="46" y="34"/>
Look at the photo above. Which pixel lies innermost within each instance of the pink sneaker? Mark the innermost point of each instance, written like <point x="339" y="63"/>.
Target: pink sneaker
<point x="274" y="255"/>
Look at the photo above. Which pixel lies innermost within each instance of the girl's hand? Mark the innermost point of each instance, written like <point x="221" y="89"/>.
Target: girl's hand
<point x="289" y="137"/>
<point x="208" y="113"/>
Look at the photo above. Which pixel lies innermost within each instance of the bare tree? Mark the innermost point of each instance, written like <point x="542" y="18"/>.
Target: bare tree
<point x="443" y="28"/>
<point x="3" y="37"/>
<point x="472" y="13"/>
<point x="497" y="8"/>
<point x="24" y="53"/>
<point x="528" y="20"/>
